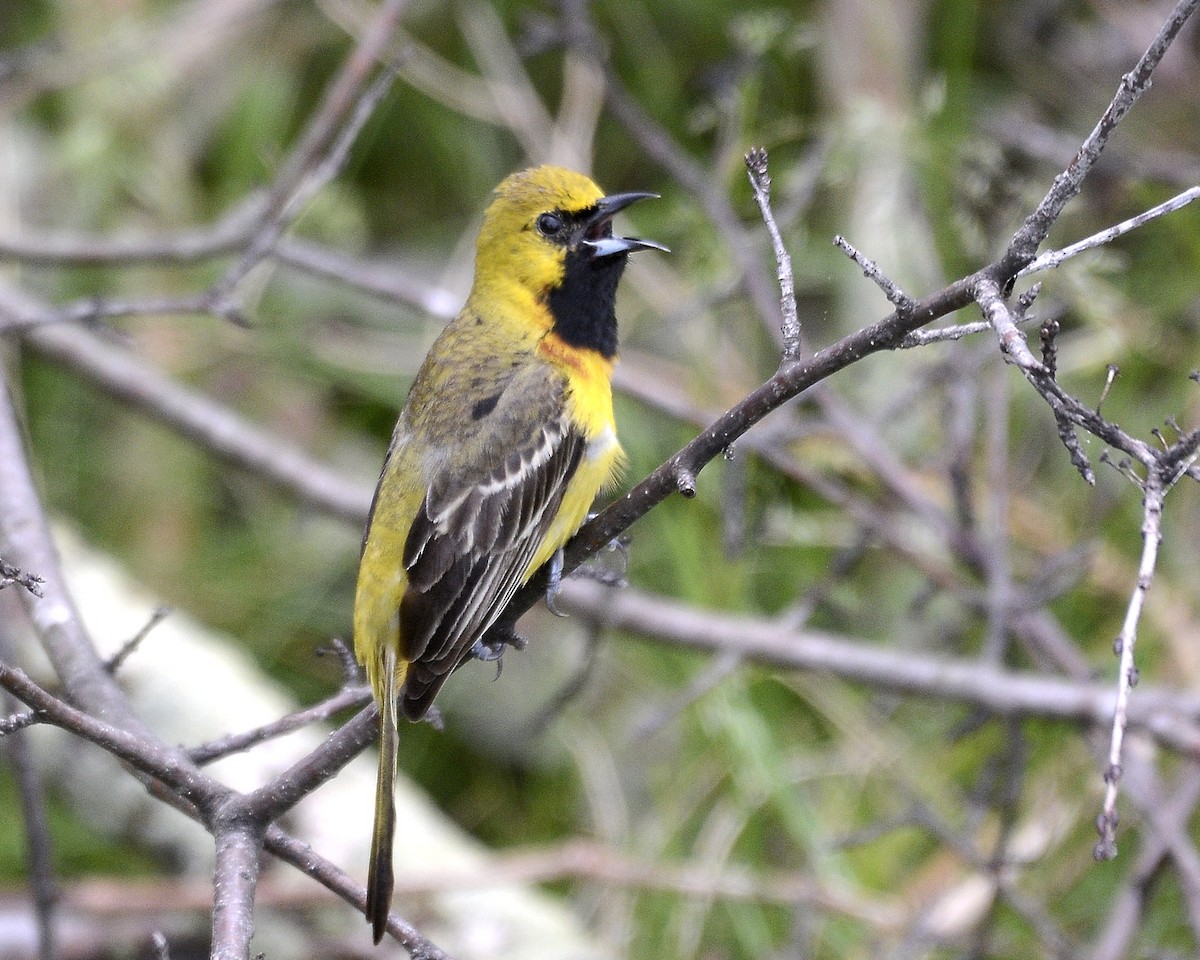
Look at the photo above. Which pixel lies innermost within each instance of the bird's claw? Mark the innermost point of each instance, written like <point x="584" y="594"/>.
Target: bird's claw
<point x="593" y="570"/>
<point x="491" y="646"/>
<point x="610" y="578"/>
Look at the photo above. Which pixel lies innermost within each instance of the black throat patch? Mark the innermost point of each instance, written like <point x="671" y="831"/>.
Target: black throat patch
<point x="584" y="304"/>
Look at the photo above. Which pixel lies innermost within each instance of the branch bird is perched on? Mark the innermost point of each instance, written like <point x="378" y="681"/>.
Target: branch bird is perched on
<point x="505" y="440"/>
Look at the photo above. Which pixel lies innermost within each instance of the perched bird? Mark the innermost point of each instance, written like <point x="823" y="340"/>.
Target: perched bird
<point x="505" y="439"/>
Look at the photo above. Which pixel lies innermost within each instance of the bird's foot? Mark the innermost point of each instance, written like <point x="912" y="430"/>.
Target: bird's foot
<point x="491" y="646"/>
<point x="598" y="568"/>
<point x="554" y="582"/>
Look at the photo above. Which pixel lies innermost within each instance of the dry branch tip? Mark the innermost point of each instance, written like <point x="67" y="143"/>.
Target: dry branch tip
<point x="903" y="303"/>
<point x="10" y="575"/>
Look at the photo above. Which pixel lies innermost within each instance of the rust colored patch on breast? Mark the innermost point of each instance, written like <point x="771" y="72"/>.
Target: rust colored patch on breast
<point x="580" y="362"/>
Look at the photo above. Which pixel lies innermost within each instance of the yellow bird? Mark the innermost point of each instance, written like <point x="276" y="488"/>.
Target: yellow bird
<point x="505" y="439"/>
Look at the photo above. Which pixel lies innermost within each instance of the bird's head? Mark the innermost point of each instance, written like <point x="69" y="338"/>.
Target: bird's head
<point x="549" y="232"/>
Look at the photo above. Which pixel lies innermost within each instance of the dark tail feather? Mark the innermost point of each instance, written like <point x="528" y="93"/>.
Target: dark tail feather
<point x="379" y="873"/>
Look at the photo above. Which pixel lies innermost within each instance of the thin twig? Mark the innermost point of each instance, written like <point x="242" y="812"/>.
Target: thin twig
<point x="96" y="309"/>
<point x="760" y="182"/>
<point x="143" y="755"/>
<point x="921" y="338"/>
<point x="660" y="145"/>
<point x="1066" y="408"/>
<point x="1124" y="912"/>
<point x="346" y="105"/>
<point x="1023" y="247"/>
<point x="284" y="791"/>
<point x="1154" y="490"/>
<point x="25" y="539"/>
<point x="318" y="713"/>
<point x="997" y="313"/>
<point x="391" y="281"/>
<point x="226" y="236"/>
<point x="311" y="864"/>
<point x="325" y="147"/>
<point x="157" y="616"/>
<point x="1053" y="258"/>
<point x="896" y="297"/>
<point x="352" y="672"/>
<point x="1066" y="429"/>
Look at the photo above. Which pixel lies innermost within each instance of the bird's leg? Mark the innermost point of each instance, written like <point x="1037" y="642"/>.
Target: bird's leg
<point x="554" y="582"/>
<point x="610" y="578"/>
<point x="592" y="570"/>
<point x="490" y="647"/>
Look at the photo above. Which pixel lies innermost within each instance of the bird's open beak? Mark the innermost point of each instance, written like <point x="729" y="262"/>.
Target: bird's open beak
<point x="598" y="233"/>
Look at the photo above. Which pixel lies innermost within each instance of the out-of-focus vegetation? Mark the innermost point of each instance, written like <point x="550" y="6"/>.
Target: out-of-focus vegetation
<point x="924" y="132"/>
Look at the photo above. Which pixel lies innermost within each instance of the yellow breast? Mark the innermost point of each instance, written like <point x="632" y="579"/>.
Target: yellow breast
<point x="591" y="410"/>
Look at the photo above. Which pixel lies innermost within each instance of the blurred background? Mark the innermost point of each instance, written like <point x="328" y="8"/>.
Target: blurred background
<point x="919" y="503"/>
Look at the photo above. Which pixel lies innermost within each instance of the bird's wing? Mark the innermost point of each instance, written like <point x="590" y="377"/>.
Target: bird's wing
<point x="478" y="529"/>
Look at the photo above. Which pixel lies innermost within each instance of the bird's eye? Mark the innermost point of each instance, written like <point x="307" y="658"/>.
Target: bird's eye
<point x="550" y="224"/>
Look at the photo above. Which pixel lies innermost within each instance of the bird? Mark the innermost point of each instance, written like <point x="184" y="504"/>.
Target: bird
<point x="504" y="441"/>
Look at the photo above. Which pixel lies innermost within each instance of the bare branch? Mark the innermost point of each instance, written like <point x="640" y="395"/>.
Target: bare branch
<point x="347" y="104"/>
<point x="205" y="421"/>
<point x="111" y="723"/>
<point x="94" y="309"/>
<point x="157" y="616"/>
<point x="311" y="864"/>
<point x="272" y="800"/>
<point x="793" y="378"/>
<point x="25" y="539"/>
<point x="324" y="147"/>
<point x="140" y="752"/>
<point x="238" y="742"/>
<point x="1054" y="258"/>
<point x="921" y="338"/>
<point x="1063" y="405"/>
<point x="239" y="846"/>
<point x="224" y="237"/>
<point x="1106" y="823"/>
<point x="760" y="181"/>
<point x="1023" y="246"/>
<point x="658" y="143"/>
<point x="17" y="721"/>
<point x="1012" y="341"/>
<point x="897" y="297"/>
<point x="389" y="281"/>
<point x="1001" y="692"/>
